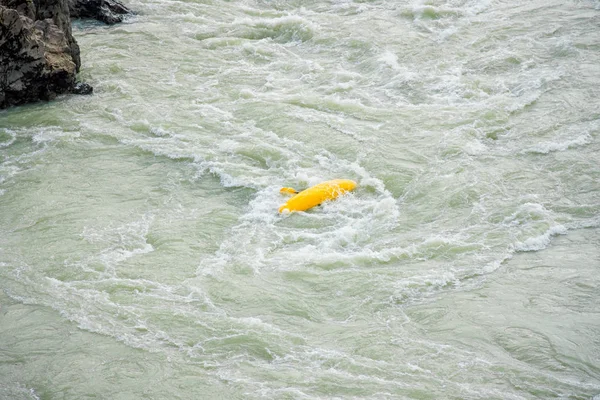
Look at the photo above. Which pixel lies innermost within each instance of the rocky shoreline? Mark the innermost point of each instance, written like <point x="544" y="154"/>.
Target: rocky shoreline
<point x="39" y="57"/>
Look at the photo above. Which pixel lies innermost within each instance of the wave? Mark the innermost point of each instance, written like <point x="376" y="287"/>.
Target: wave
<point x="542" y="241"/>
<point x="279" y="29"/>
<point x="7" y="137"/>
<point x="549" y="147"/>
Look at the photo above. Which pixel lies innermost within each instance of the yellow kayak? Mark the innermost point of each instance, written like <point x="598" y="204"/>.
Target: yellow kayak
<point x="316" y="195"/>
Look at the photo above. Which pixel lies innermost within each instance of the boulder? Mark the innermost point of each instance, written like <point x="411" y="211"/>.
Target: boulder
<point x="108" y="11"/>
<point x="82" y="88"/>
<point x="40" y="57"/>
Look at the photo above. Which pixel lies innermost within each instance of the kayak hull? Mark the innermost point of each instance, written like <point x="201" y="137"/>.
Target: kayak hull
<point x="318" y="194"/>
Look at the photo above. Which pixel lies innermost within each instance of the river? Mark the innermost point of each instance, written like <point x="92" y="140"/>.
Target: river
<point x="142" y="255"/>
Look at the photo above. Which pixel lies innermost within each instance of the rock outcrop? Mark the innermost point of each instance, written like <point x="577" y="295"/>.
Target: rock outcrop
<point x="39" y="58"/>
<point x="108" y="11"/>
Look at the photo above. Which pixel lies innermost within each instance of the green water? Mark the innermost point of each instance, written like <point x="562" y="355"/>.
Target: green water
<point x="142" y="255"/>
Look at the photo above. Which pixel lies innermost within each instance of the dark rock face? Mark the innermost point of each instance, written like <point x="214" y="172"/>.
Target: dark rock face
<point x="39" y="59"/>
<point x="108" y="11"/>
<point x="58" y="12"/>
<point x="82" y="88"/>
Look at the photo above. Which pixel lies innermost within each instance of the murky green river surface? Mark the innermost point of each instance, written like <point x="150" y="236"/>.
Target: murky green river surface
<point x="142" y="255"/>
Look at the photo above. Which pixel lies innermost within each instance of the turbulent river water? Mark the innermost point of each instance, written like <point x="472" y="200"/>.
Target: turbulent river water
<point x="142" y="255"/>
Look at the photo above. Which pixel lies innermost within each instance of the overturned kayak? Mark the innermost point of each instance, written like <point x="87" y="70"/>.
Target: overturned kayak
<point x="316" y="195"/>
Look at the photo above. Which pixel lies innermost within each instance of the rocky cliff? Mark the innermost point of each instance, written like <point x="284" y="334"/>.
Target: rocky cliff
<point x="39" y="58"/>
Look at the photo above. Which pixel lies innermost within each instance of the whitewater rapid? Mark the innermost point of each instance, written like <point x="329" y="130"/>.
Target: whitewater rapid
<point x="142" y="254"/>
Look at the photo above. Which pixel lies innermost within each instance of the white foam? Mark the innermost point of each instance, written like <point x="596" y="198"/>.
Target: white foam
<point x="390" y="59"/>
<point x="549" y="147"/>
<point x="158" y="131"/>
<point x="8" y="171"/>
<point x="475" y="147"/>
<point x="260" y="239"/>
<point x="421" y="282"/>
<point x="569" y="136"/>
<point x="16" y="391"/>
<point x="121" y="241"/>
<point x="530" y="88"/>
<point x="527" y="212"/>
<point x="542" y="241"/>
<point x="49" y="134"/>
<point x="13" y="137"/>
<point x="292" y="27"/>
